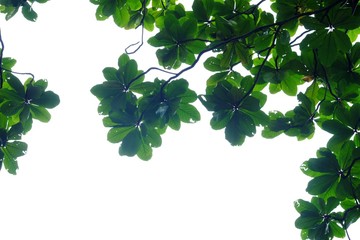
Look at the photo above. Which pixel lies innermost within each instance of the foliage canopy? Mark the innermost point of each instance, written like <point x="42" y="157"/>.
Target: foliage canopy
<point x="306" y="49"/>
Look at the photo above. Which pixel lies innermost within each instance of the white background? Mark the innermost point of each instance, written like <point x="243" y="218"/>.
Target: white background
<point x="72" y="184"/>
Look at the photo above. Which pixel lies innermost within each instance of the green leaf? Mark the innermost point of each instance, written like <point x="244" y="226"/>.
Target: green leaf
<point x="345" y="156"/>
<point x="110" y="74"/>
<point x="131" y="143"/>
<point x="239" y="126"/>
<point x="151" y="136"/>
<point x="117" y="134"/>
<point x="321" y="184"/>
<point x="203" y="9"/>
<point x="40" y="113"/>
<point x="251" y="103"/>
<point x="107" y="89"/>
<point x="144" y="88"/>
<point x="10" y="108"/>
<point x="302" y="205"/>
<point x="16" y="84"/>
<point x="33" y="92"/>
<point x="48" y="99"/>
<point x="10" y="163"/>
<point x="220" y="119"/>
<point x="144" y="152"/>
<point x="121" y="16"/>
<point x="312" y="23"/>
<point x="11" y="152"/>
<point x="8" y="63"/>
<point x="337" y="128"/>
<point x="352" y="216"/>
<point x="16" y="149"/>
<point x="188" y="113"/>
<point x="324" y="165"/>
<point x="12" y="11"/>
<point x="308" y="219"/>
<point x="213" y="64"/>
<point x="15" y="132"/>
<point x="28" y="12"/>
<point x="174" y="122"/>
<point x="176" y="88"/>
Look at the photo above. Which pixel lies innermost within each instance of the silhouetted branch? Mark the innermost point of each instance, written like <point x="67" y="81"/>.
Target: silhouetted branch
<point x="139" y="43"/>
<point x="1" y="58"/>
<point x="257" y="76"/>
<point x="150" y="69"/>
<point x="220" y="44"/>
<point x="20" y="73"/>
<point x="292" y="43"/>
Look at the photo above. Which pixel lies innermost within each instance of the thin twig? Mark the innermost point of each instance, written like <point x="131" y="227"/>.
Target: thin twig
<point x="222" y="43"/>
<point x="1" y="58"/>
<point x="237" y="38"/>
<point x="329" y="86"/>
<point x="139" y="43"/>
<point x="20" y="73"/>
<point x="347" y="234"/>
<point x="257" y="77"/>
<point x="302" y="34"/>
<point x="144" y="73"/>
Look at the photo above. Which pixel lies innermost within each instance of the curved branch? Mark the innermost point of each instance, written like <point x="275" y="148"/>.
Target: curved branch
<point x="329" y="86"/>
<point x="20" y="73"/>
<point x="301" y="35"/>
<point x="237" y="38"/>
<point x="139" y="43"/>
<point x="147" y="71"/>
<point x="257" y="76"/>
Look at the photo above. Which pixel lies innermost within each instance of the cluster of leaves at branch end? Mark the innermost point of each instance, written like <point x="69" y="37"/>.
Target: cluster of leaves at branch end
<point x="127" y="14"/>
<point x="309" y="43"/>
<point x="138" y="112"/>
<point x="19" y="105"/>
<point x="335" y="180"/>
<point x="234" y="108"/>
<point x="318" y="220"/>
<point x="11" y="7"/>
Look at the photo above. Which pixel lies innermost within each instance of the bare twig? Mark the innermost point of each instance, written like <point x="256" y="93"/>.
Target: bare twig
<point x="20" y="73"/>
<point x="139" y="43"/>
<point x="1" y="58"/>
<point x="144" y="73"/>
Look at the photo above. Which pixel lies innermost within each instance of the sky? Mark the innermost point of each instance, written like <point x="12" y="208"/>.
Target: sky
<point x="72" y="184"/>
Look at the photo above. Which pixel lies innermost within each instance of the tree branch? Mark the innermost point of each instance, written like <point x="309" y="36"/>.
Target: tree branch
<point x="149" y="69"/>
<point x="139" y="43"/>
<point x="20" y="73"/>
<point x="1" y="58"/>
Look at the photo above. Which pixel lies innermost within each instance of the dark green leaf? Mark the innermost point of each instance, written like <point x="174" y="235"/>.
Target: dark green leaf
<point x="40" y="113"/>
<point x="188" y="113"/>
<point x="110" y="74"/>
<point x="16" y="84"/>
<point x="28" y="12"/>
<point x="10" y="108"/>
<point x="48" y="99"/>
<point x="131" y="143"/>
<point x="308" y="219"/>
<point x="117" y="134"/>
<point x="321" y="184"/>
<point x="239" y="126"/>
<point x="324" y="165"/>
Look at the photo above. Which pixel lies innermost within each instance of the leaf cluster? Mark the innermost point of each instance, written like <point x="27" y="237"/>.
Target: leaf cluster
<point x="20" y="103"/>
<point x="137" y="111"/>
<point x="11" y="7"/>
<point x="305" y="49"/>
